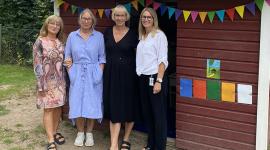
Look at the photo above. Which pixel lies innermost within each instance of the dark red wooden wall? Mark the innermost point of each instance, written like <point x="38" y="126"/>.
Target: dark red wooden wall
<point x="206" y="124"/>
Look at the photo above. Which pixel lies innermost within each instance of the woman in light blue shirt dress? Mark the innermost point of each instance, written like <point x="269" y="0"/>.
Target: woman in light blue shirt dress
<point x="85" y="58"/>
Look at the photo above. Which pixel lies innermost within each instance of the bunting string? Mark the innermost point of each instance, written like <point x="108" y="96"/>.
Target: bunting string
<point x="194" y="15"/>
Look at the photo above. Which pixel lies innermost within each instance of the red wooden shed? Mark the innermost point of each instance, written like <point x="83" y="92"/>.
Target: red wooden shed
<point x="242" y="48"/>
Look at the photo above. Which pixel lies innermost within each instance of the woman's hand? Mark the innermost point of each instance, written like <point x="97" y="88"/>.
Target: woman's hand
<point x="68" y="63"/>
<point x="157" y="88"/>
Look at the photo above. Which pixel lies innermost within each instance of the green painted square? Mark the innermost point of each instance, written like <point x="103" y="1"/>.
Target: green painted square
<point x="213" y="90"/>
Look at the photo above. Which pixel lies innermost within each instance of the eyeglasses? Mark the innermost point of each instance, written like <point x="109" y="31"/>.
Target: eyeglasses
<point x="118" y="15"/>
<point x="149" y="18"/>
<point x="55" y="23"/>
<point x="86" y="19"/>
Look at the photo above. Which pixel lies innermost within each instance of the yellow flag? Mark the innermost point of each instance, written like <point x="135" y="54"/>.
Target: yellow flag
<point x="240" y="10"/>
<point x="202" y="16"/>
<point x="59" y="3"/>
<point x="135" y="4"/>
<point x="186" y="14"/>
<point x="228" y="92"/>
<point x="100" y="12"/>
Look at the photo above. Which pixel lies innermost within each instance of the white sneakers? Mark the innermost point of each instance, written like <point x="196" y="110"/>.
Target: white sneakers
<point x="89" y="141"/>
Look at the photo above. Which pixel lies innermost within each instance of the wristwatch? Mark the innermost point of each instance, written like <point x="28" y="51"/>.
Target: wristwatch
<point x="159" y="80"/>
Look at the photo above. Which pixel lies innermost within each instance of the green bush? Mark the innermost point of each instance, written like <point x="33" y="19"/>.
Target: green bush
<point x="21" y="21"/>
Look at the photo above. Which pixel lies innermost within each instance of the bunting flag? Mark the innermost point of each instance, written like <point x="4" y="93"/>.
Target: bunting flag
<point x="73" y="9"/>
<point x="156" y="5"/>
<point x="186" y="14"/>
<point x="211" y="15"/>
<point x="163" y="9"/>
<point x="202" y="16"/>
<point x="94" y="11"/>
<point x="108" y="12"/>
<point x="100" y="12"/>
<point x="141" y="2"/>
<point x="251" y="7"/>
<point x="230" y="13"/>
<point x="65" y="6"/>
<point x="177" y="14"/>
<point x="148" y="2"/>
<point x="194" y="15"/>
<point x="135" y="4"/>
<point x="80" y="9"/>
<point x="220" y="15"/>
<point x="59" y="3"/>
<point x="171" y="11"/>
<point x="128" y="7"/>
<point x="259" y="4"/>
<point x="268" y="2"/>
<point x="240" y="10"/>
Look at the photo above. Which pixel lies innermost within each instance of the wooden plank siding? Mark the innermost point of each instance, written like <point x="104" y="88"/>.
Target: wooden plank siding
<point x="207" y="124"/>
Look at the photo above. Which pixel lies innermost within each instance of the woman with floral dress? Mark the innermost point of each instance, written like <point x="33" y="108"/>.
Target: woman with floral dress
<point x="48" y="56"/>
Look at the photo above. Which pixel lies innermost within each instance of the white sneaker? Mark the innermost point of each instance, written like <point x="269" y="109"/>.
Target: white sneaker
<point x="89" y="139"/>
<point x="79" y="139"/>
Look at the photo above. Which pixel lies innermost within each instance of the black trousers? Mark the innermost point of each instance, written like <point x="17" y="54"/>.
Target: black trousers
<point x="154" y="112"/>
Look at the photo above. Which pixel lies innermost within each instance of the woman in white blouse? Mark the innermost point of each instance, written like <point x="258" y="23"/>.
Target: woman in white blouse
<point x="151" y="63"/>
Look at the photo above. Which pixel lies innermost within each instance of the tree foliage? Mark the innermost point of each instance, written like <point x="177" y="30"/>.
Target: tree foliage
<point x="21" y="21"/>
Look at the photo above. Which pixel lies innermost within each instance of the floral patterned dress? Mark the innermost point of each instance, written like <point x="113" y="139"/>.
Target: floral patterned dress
<point x="48" y="58"/>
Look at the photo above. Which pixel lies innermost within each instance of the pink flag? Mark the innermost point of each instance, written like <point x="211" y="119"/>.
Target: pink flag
<point x="194" y="15"/>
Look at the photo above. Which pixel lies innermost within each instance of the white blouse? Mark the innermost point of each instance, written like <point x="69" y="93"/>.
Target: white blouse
<point x="151" y="51"/>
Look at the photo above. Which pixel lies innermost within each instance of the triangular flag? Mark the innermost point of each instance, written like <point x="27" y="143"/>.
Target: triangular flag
<point x="177" y="13"/>
<point x="59" y="3"/>
<point x="108" y="12"/>
<point x="211" y="15"/>
<point x="171" y="11"/>
<point x="100" y="12"/>
<point x="128" y="7"/>
<point x="80" y="9"/>
<point x="148" y="2"/>
<point x="186" y="14"/>
<point x="240" y="10"/>
<point x="135" y="4"/>
<point x="230" y="13"/>
<point x="194" y="15"/>
<point x="65" y="6"/>
<point x="73" y="9"/>
<point x="141" y="2"/>
<point x="251" y="7"/>
<point x="163" y="9"/>
<point x="220" y="14"/>
<point x="268" y="2"/>
<point x="156" y="5"/>
<point x="94" y="11"/>
<point x="202" y="16"/>
<point x="259" y="4"/>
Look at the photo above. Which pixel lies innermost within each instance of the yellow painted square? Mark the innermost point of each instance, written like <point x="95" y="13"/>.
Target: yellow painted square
<point x="228" y="92"/>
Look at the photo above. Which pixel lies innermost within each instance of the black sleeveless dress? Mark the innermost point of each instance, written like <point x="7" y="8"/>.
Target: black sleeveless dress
<point x="120" y="89"/>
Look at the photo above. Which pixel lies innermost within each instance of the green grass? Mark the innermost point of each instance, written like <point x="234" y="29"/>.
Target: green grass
<point x="15" y="80"/>
<point x="3" y="110"/>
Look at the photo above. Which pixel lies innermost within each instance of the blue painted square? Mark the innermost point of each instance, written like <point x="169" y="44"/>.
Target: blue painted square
<point x="185" y="87"/>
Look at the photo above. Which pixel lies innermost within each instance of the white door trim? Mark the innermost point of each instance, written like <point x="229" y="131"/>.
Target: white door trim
<point x="263" y="81"/>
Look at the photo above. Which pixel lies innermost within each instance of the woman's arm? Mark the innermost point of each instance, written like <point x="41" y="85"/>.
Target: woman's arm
<point x="68" y="53"/>
<point x="37" y="63"/>
<point x="101" y="54"/>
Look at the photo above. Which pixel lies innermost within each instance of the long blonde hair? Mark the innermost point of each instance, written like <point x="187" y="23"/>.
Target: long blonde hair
<point x="44" y="29"/>
<point x="142" y="31"/>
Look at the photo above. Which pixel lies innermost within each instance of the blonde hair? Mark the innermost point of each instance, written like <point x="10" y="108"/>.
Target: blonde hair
<point x="120" y="8"/>
<point x="142" y="31"/>
<point x="44" y="29"/>
<point x="93" y="17"/>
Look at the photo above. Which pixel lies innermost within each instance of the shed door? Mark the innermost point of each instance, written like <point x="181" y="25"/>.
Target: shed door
<point x="203" y="123"/>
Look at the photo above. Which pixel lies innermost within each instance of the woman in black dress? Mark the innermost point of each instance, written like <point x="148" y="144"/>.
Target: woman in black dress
<point x="120" y="77"/>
